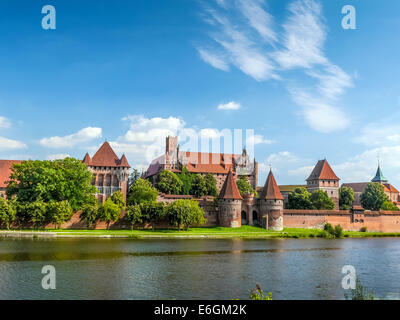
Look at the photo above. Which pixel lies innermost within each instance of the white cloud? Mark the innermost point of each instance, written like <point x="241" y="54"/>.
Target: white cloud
<point x="57" y="156"/>
<point x="8" y="144"/>
<point x="258" y="139"/>
<point x="83" y="135"/>
<point x="213" y="59"/>
<point x="4" y="123"/>
<point x="379" y="134"/>
<point x="229" y="106"/>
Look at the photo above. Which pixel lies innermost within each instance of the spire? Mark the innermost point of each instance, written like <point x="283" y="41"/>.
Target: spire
<point x="379" y="177"/>
<point x="230" y="190"/>
<point x="86" y="160"/>
<point x="124" y="162"/>
<point x="271" y="190"/>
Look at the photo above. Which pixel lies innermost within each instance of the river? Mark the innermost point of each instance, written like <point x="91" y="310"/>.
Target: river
<point x="196" y="269"/>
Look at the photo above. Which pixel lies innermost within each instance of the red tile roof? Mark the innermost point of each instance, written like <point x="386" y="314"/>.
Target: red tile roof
<point x="271" y="190"/>
<point x="106" y="157"/>
<point x="5" y="171"/>
<point x="323" y="171"/>
<point x="229" y="189"/>
<point x="204" y="162"/>
<point x="390" y="188"/>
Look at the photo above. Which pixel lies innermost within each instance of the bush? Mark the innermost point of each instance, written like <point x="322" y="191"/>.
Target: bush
<point x="338" y="232"/>
<point x="185" y="213"/>
<point x="258" y="294"/>
<point x="134" y="214"/>
<point x="109" y="211"/>
<point x="363" y="229"/>
<point x="90" y="214"/>
<point x="389" y="206"/>
<point x="331" y="232"/>
<point x="152" y="212"/>
<point x="8" y="212"/>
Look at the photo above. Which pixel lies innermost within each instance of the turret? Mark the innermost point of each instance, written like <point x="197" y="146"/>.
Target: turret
<point x="271" y="205"/>
<point x="229" y="203"/>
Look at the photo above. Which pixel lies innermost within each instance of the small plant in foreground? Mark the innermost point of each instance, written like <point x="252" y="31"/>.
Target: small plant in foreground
<point x="359" y="293"/>
<point x="258" y="294"/>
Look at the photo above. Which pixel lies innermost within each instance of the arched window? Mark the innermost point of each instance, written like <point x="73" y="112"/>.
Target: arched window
<point x="255" y="216"/>
<point x="244" y="216"/>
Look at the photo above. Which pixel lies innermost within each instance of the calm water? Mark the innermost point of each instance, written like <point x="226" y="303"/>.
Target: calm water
<point x="196" y="269"/>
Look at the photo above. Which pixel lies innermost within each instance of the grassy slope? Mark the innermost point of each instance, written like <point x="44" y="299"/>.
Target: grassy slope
<point x="215" y="232"/>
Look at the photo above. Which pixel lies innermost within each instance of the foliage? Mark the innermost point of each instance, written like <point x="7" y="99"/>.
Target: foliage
<point x="89" y="214"/>
<point x="373" y="197"/>
<point x="211" y="184"/>
<point x="118" y="198"/>
<point x="8" y="212"/>
<point x="359" y="293"/>
<point x="332" y="232"/>
<point x="59" y="212"/>
<point x="34" y="212"/>
<point x="199" y="186"/>
<point x="346" y="198"/>
<point x="67" y="179"/>
<point x="142" y="191"/>
<point x="109" y="211"/>
<point x="186" y="177"/>
<point x="258" y="294"/>
<point x="152" y="211"/>
<point x="134" y="214"/>
<point x="321" y="201"/>
<point x="133" y="177"/>
<point x="389" y="206"/>
<point x="363" y="229"/>
<point x="299" y="198"/>
<point x="185" y="213"/>
<point x="168" y="182"/>
<point x="244" y="186"/>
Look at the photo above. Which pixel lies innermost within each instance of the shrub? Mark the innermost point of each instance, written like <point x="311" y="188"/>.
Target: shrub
<point x="109" y="211"/>
<point x="90" y="214"/>
<point x="331" y="232"/>
<point x="258" y="294"/>
<point x="185" y="213"/>
<point x="134" y="215"/>
<point x="152" y="212"/>
<point x="8" y="212"/>
<point x="363" y="229"/>
<point x="389" y="206"/>
<point x="360" y="292"/>
<point x="338" y="232"/>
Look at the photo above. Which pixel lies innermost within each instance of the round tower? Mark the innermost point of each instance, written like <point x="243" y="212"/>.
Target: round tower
<point x="229" y="204"/>
<point x="271" y="205"/>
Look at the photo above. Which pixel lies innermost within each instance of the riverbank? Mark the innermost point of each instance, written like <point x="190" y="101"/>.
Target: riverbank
<point x="244" y="232"/>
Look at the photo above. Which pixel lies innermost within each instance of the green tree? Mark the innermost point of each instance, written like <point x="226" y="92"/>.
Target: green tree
<point x="58" y="180"/>
<point x="211" y="184"/>
<point x="373" y="196"/>
<point x="152" y="212"/>
<point x="389" y="206"/>
<point x="142" y="191"/>
<point x="90" y="214"/>
<point x="321" y="201"/>
<point x="199" y="186"/>
<point x="118" y="198"/>
<point x="346" y="198"/>
<point x="244" y="186"/>
<point x="168" y="182"/>
<point x="109" y="211"/>
<point x="299" y="198"/>
<point x="8" y="212"/>
<point x="134" y="215"/>
<point x="186" y="177"/>
<point x="59" y="212"/>
<point x="35" y="212"/>
<point x="133" y="177"/>
<point x="185" y="213"/>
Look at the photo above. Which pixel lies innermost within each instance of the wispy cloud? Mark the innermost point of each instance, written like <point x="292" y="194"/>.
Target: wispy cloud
<point x="4" y="123"/>
<point x="229" y="106"/>
<point x="9" y="144"/>
<point x="252" y="45"/>
<point x="57" y="156"/>
<point x="83" y="135"/>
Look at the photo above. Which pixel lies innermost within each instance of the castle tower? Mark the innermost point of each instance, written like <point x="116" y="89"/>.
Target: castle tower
<point x="271" y="205"/>
<point x="110" y="174"/>
<point x="323" y="178"/>
<point x="229" y="204"/>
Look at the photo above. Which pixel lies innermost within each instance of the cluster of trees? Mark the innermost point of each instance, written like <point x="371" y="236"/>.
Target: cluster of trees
<point x="186" y="183"/>
<point x="143" y="209"/>
<point x="300" y="198"/>
<point x="374" y="198"/>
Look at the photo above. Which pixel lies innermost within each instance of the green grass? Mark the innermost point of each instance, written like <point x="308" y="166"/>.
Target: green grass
<point x="249" y="232"/>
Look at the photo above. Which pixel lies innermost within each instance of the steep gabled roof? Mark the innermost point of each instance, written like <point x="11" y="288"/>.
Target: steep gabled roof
<point x="271" y="190"/>
<point x="390" y="188"/>
<point x="106" y="157"/>
<point x="229" y="189"/>
<point x="5" y="171"/>
<point x="322" y="171"/>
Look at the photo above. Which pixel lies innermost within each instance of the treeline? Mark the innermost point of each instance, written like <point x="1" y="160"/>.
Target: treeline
<point x="301" y="199"/>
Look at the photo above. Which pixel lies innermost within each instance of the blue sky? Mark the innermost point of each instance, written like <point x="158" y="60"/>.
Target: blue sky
<point x="130" y="72"/>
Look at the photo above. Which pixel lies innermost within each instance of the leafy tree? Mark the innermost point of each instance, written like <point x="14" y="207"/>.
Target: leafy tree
<point x="211" y="184"/>
<point x="142" y="191"/>
<point x="346" y="198"/>
<point x="389" y="206"/>
<point x="134" y="215"/>
<point x="244" y="186"/>
<point x="58" y="180"/>
<point x="133" y="177"/>
<point x="90" y="214"/>
<point x="299" y="198"/>
<point x="35" y="212"/>
<point x="59" y="212"/>
<point x="321" y="201"/>
<point x="373" y="196"/>
<point x="153" y="212"/>
<point x="185" y="213"/>
<point x="199" y="186"/>
<point x="186" y="177"/>
<point x="168" y="182"/>
<point x="118" y="198"/>
<point x="8" y="212"/>
<point x="109" y="211"/>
